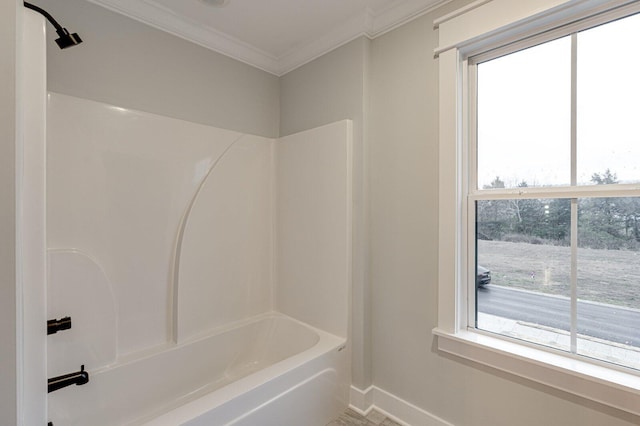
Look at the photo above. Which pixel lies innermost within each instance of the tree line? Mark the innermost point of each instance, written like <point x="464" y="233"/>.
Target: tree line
<point x="603" y="223"/>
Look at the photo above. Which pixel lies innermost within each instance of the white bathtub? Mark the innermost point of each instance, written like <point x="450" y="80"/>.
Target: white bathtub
<point x="269" y="370"/>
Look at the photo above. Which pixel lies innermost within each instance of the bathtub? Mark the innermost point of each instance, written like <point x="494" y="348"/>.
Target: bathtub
<point x="267" y="370"/>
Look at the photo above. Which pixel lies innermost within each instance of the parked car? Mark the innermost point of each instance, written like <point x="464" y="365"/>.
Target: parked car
<point x="483" y="276"/>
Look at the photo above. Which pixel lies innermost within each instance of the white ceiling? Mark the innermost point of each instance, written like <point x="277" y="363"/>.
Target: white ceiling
<point x="274" y="35"/>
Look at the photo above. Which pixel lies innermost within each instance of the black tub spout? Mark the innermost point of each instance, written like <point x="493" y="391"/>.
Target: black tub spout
<point x="78" y="378"/>
<point x="55" y="325"/>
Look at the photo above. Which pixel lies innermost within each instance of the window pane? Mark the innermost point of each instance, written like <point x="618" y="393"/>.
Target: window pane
<point x="524" y="116"/>
<point x="525" y="246"/>
<point x="608" y="104"/>
<point x="609" y="279"/>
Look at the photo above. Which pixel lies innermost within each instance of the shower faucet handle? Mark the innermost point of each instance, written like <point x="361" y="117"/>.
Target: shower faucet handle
<point x="78" y="378"/>
<point x="54" y="325"/>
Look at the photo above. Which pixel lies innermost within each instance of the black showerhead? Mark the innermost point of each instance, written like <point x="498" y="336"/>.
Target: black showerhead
<point x="66" y="39"/>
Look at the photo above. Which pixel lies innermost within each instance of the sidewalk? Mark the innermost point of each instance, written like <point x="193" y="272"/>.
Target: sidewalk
<point x="616" y="353"/>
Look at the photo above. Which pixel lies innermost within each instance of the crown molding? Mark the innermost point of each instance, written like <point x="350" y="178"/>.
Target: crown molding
<point x="338" y="36"/>
<point x="401" y="12"/>
<point x="372" y="23"/>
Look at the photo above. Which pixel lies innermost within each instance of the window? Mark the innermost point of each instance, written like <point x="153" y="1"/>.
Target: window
<point x="559" y="270"/>
<point x="539" y="195"/>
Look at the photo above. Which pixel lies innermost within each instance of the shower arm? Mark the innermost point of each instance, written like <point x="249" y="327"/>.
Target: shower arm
<point x="46" y="15"/>
<point x="66" y="39"/>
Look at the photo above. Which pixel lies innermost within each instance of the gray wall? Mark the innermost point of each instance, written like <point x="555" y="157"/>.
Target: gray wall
<point x="128" y="64"/>
<point x="330" y="88"/>
<point x="389" y="87"/>
<point x="403" y="144"/>
<point x="8" y="374"/>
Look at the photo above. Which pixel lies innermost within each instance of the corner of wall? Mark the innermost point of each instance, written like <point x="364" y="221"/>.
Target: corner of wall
<point x="393" y="407"/>
<point x="330" y="88"/>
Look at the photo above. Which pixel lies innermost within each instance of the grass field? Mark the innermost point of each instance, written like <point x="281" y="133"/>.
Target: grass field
<point x="607" y="276"/>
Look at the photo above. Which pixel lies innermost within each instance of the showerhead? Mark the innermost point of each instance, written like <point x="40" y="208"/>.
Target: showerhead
<point x="66" y="39"/>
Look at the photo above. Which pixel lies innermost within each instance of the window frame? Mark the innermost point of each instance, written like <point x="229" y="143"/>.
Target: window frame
<point x="529" y="23"/>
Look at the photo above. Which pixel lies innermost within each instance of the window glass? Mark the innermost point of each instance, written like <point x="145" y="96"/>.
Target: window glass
<point x="608" y="104"/>
<point x="524" y="112"/>
<point x="523" y="269"/>
<point x="608" y="307"/>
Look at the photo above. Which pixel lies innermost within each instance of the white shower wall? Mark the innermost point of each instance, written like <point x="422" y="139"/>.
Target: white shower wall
<point x="119" y="183"/>
<point x="161" y="230"/>
<point x="314" y="219"/>
<point x="224" y="268"/>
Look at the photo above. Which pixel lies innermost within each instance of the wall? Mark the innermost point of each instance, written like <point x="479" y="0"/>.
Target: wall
<point x="8" y="32"/>
<point x="328" y="89"/>
<point x="403" y="129"/>
<point x="123" y="62"/>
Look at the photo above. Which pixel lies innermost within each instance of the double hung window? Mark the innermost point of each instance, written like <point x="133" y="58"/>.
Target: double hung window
<point x="554" y="197"/>
<point x="539" y="192"/>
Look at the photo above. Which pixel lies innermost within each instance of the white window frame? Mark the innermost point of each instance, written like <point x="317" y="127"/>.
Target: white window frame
<point x="483" y="26"/>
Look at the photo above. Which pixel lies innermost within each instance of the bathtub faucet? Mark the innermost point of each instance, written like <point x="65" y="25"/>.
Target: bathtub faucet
<point x="55" y="325"/>
<point x="78" y="378"/>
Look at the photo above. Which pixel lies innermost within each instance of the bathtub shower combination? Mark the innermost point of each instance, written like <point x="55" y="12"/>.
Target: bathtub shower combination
<point x="206" y="272"/>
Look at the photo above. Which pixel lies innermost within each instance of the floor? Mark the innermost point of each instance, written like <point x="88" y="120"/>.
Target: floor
<point x="351" y="418"/>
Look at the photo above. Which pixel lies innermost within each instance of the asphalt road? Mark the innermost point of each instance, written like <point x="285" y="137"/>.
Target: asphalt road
<point x="606" y="322"/>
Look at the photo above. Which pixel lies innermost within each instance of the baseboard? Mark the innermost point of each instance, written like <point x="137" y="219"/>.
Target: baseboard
<point x="361" y="401"/>
<point x="397" y="409"/>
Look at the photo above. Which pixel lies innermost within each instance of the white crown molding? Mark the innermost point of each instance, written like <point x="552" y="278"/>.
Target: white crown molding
<point x="372" y="23"/>
<point x="449" y="16"/>
<point x="401" y="12"/>
<point x="338" y="36"/>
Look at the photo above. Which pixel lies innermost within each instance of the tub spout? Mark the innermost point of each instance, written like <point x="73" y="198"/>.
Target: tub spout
<point x="54" y="325"/>
<point x="78" y="378"/>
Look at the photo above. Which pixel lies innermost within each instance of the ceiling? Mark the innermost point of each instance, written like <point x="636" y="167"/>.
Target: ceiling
<point x="274" y="35"/>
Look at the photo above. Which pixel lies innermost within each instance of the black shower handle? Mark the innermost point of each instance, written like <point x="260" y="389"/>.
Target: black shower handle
<point x="78" y="378"/>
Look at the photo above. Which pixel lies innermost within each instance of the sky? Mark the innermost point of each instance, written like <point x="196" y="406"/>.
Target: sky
<point x="524" y="109"/>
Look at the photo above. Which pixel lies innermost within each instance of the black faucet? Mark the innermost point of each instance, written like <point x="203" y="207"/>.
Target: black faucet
<point x="78" y="378"/>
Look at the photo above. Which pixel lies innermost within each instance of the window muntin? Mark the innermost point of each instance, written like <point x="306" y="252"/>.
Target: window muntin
<point x="538" y="243"/>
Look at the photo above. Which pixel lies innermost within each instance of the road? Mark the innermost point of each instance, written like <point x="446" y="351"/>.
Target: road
<point x="608" y="322"/>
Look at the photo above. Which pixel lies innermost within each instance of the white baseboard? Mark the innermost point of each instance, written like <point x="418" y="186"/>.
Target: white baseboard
<point x="361" y="401"/>
<point x="398" y="410"/>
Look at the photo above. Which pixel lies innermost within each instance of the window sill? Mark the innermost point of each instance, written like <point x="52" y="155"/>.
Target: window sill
<point x="598" y="383"/>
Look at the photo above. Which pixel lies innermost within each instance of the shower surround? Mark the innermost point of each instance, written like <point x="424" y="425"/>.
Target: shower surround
<point x="186" y="255"/>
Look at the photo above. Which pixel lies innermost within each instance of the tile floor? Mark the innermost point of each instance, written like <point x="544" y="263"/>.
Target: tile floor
<point x="351" y="418"/>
